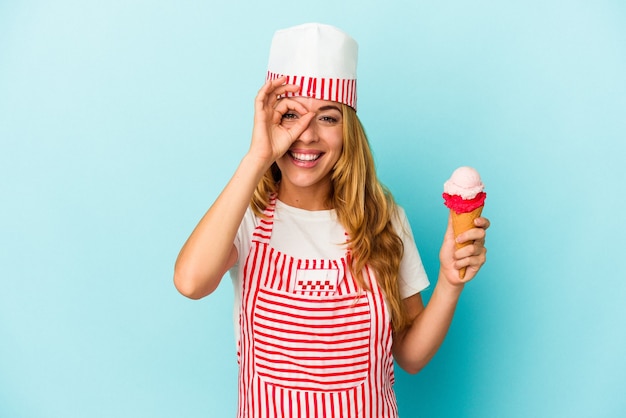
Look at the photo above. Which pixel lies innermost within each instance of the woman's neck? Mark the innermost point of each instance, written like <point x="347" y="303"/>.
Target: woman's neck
<point x="309" y="198"/>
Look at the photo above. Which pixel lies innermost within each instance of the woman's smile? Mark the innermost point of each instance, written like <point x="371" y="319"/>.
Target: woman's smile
<point x="305" y="159"/>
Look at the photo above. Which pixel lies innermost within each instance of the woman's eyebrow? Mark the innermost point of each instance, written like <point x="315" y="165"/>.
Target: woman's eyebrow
<point x="329" y="107"/>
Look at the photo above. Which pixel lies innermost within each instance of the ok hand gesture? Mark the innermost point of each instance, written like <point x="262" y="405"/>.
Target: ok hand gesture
<point x="270" y="139"/>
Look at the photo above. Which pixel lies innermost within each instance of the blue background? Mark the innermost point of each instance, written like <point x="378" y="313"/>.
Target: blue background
<point x="120" y="122"/>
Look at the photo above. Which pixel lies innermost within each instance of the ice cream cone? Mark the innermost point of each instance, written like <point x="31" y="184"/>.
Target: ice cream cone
<point x="462" y="222"/>
<point x="464" y="195"/>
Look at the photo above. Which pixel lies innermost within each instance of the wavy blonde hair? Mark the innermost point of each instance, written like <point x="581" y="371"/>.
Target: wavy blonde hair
<point x="364" y="208"/>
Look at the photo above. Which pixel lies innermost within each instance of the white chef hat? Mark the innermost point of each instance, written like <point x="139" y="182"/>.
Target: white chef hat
<point x="319" y="58"/>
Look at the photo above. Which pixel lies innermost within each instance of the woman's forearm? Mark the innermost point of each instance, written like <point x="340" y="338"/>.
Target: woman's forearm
<point x="209" y="251"/>
<point x="417" y="345"/>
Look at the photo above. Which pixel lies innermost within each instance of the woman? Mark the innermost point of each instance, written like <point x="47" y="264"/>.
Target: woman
<point x="326" y="272"/>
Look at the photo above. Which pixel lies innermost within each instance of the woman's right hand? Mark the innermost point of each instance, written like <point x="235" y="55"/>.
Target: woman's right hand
<point x="270" y="139"/>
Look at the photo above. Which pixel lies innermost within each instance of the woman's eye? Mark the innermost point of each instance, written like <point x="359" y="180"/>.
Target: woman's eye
<point x="289" y="116"/>
<point x="328" y="119"/>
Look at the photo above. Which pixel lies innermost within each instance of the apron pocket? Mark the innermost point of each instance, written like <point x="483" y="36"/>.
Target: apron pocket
<point x="311" y="343"/>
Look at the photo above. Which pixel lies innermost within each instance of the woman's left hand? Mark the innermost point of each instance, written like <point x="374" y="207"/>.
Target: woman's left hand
<point x="472" y="256"/>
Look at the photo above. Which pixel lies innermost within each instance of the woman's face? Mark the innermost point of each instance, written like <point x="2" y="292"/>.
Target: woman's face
<point x="309" y="161"/>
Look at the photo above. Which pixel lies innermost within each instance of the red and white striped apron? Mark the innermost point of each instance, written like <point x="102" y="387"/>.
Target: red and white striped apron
<point x="311" y="343"/>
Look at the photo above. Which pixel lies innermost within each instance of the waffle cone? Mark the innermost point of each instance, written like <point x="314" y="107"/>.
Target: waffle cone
<point x="462" y="222"/>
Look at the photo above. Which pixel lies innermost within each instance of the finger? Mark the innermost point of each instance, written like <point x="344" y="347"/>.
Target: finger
<point x="275" y="83"/>
<point x="470" y="250"/>
<point x="280" y="91"/>
<point x="471" y="265"/>
<point x="270" y="85"/>
<point x="284" y="88"/>
<point x="291" y="137"/>
<point x="448" y="246"/>
<point x="267" y="92"/>
<point x="469" y="273"/>
<point x="262" y="97"/>
<point x="286" y="105"/>
<point x="262" y="93"/>
<point x="302" y="124"/>
<point x="474" y="234"/>
<point x="482" y="222"/>
<point x="449" y="234"/>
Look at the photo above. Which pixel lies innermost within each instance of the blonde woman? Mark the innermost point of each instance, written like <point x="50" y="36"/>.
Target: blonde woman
<point x="327" y="275"/>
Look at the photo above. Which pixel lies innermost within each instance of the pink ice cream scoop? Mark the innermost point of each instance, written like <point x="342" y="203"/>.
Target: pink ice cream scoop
<point x="463" y="192"/>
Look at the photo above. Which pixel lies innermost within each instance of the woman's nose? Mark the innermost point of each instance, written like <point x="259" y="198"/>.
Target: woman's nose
<point x="309" y="135"/>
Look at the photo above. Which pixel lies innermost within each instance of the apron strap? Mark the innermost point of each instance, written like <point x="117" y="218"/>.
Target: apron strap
<point x="263" y="231"/>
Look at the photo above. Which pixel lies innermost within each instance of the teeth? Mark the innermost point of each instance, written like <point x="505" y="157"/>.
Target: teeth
<point x="305" y="157"/>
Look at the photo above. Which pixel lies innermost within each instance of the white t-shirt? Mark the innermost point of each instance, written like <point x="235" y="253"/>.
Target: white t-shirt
<point x="318" y="235"/>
